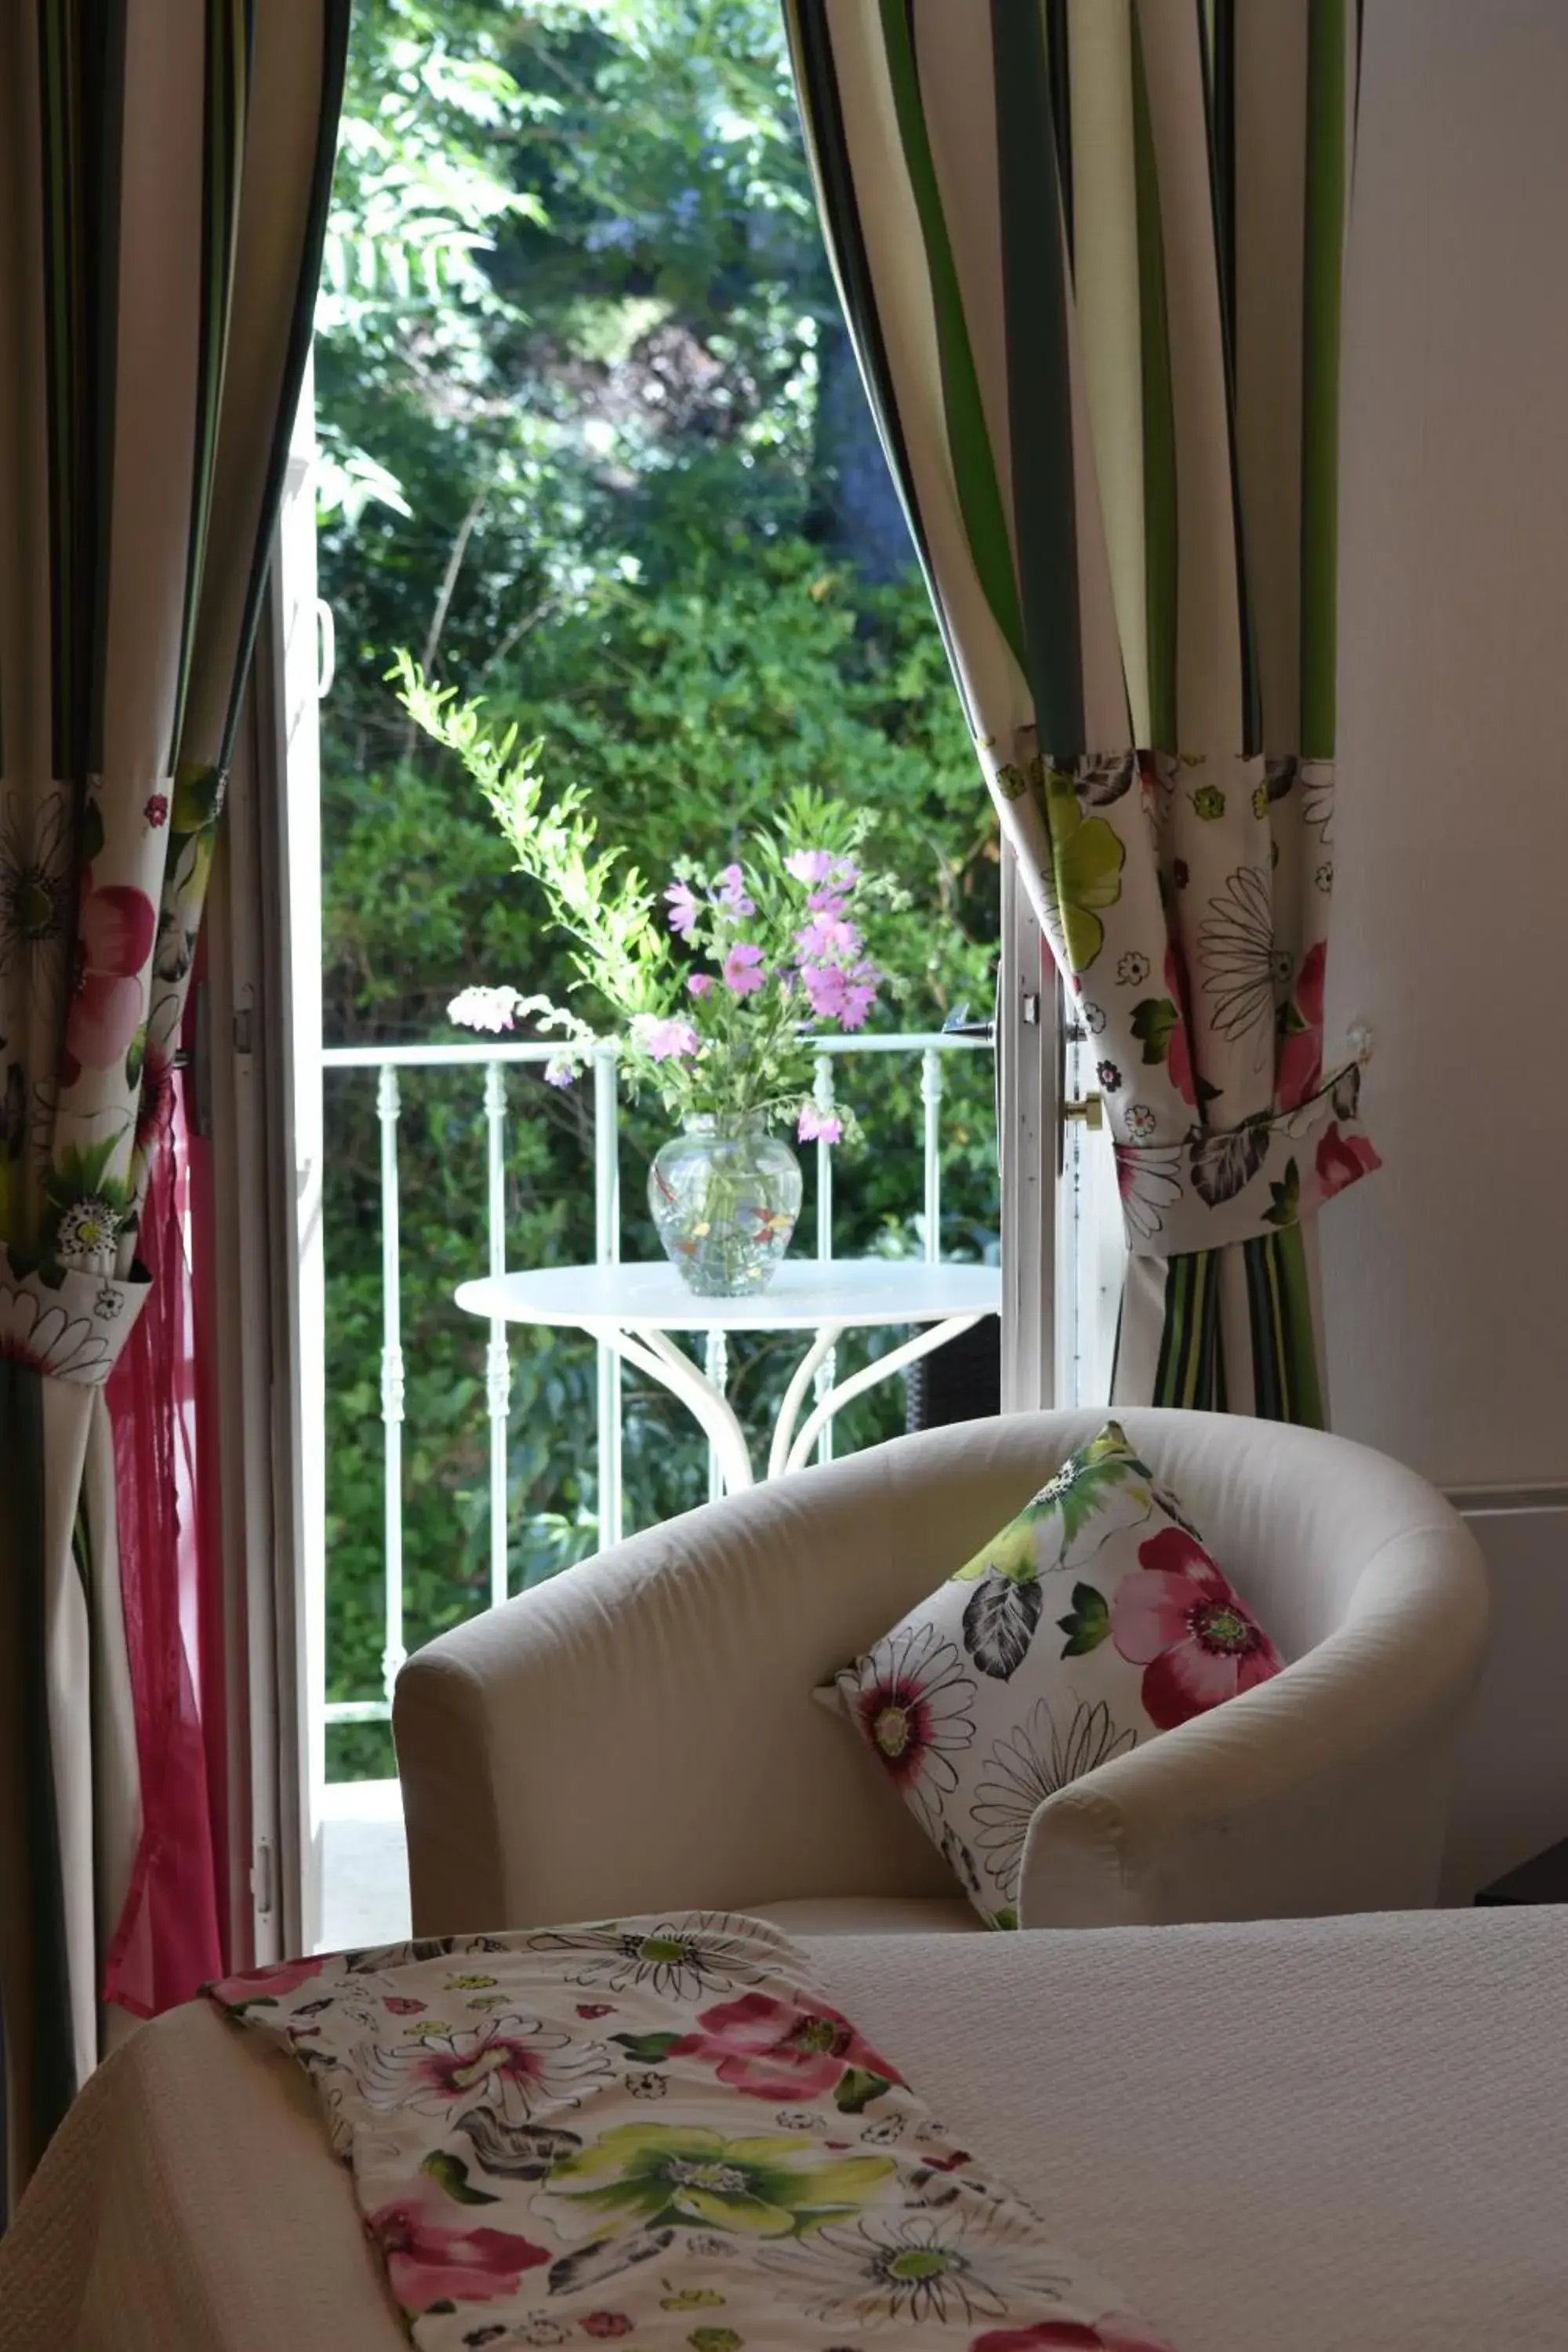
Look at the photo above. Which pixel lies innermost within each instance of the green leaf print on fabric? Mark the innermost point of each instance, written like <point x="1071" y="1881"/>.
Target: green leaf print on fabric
<point x="1086" y="1623"/>
<point x="1154" y="1022"/>
<point x="647" y="2049"/>
<point x="1285" y="1198"/>
<point x="856" y="2089"/>
<point x="1087" y="858"/>
<point x="450" y="2173"/>
<point x="1043" y="1533"/>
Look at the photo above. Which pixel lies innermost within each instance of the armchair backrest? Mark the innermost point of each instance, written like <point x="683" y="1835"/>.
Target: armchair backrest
<point x="639" y="1733"/>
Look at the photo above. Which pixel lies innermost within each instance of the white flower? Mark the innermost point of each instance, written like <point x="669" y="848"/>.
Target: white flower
<point x="510" y="2067"/>
<point x="912" y="1703"/>
<point x="36" y="1331"/>
<point x="1028" y="1766"/>
<point x="952" y="2267"/>
<point x="35" y="886"/>
<point x="1243" y="972"/>
<point x="494" y="1009"/>
<point x="1141" y="1122"/>
<point x="681" y="1958"/>
<point x="1149" y="1184"/>
<point x="88" y="1233"/>
<point x="648" y="2085"/>
<point x="1318" y="797"/>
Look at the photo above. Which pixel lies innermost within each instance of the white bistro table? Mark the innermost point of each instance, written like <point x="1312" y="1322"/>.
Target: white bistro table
<point x="634" y="1309"/>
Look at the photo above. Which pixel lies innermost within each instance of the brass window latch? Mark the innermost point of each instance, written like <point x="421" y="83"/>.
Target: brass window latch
<point x="1091" y="1110"/>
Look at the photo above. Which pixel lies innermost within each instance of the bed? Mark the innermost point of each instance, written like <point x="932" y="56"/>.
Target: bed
<point x="1274" y="2137"/>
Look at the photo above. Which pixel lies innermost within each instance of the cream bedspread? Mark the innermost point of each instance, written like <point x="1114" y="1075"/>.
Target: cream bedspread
<point x="1327" y="2136"/>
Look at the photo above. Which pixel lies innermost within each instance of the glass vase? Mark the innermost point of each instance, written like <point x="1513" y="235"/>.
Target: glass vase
<point x="724" y="1195"/>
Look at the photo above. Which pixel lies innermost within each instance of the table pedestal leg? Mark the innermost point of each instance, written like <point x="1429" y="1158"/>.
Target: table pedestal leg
<point x="881" y="1367"/>
<point x="810" y="1364"/>
<point x="662" y="1360"/>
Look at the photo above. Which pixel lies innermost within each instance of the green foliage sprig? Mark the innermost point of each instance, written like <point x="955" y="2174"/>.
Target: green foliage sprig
<point x="786" y="953"/>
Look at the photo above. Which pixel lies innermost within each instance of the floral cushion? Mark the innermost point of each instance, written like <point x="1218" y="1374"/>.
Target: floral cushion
<point x="1091" y="1621"/>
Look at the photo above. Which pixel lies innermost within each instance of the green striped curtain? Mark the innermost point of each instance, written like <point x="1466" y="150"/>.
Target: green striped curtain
<point x="1091" y="255"/>
<point x="163" y="192"/>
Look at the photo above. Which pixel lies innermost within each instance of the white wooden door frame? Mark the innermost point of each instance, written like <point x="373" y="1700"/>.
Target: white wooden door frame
<point x="259" y="1094"/>
<point x="1027" y="1132"/>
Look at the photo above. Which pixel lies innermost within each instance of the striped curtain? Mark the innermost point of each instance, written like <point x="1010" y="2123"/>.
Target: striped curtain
<point x="165" y="167"/>
<point x="1090" y="255"/>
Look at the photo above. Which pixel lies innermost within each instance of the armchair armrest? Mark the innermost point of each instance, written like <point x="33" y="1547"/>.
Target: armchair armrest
<point x="639" y="1733"/>
<point x="1224" y="1817"/>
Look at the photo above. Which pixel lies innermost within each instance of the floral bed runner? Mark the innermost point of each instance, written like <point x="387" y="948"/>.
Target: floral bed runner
<point x="660" y="2130"/>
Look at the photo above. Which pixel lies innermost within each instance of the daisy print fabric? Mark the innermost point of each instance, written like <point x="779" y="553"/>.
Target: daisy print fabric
<point x="660" y="2131"/>
<point x="1093" y="1621"/>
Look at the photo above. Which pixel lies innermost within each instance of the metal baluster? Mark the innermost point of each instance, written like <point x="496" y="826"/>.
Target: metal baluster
<point x="716" y="1364"/>
<point x="931" y="1095"/>
<point x="822" y="1095"/>
<point x="497" y="1361"/>
<point x="606" y="1252"/>
<point x="387" y="1106"/>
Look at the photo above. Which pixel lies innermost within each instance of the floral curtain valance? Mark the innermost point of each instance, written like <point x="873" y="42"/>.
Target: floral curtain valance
<point x="1090" y="254"/>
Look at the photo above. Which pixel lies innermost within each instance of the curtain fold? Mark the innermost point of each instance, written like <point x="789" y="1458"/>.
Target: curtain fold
<point x="165" y="167"/>
<point x="1090" y="252"/>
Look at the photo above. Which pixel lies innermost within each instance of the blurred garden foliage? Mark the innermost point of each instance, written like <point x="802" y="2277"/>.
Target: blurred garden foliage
<point x="594" y="446"/>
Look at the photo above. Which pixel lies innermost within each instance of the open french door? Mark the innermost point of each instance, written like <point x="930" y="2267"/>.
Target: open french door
<point x="260" y="1097"/>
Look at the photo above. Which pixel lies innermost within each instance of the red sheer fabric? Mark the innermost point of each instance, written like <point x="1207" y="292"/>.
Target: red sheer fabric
<point x="169" y="1940"/>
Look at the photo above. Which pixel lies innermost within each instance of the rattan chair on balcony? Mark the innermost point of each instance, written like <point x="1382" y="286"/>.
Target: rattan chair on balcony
<point x="640" y="1734"/>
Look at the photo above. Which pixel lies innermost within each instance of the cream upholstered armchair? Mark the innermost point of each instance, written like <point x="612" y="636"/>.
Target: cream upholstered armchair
<point x="640" y="1734"/>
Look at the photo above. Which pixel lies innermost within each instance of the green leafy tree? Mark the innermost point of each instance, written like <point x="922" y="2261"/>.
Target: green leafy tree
<point x="592" y="449"/>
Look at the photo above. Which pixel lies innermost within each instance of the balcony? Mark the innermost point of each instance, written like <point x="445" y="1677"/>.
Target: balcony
<point x="923" y="1075"/>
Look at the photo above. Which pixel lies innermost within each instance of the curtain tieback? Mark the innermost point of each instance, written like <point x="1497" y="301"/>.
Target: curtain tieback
<point x="1241" y="1183"/>
<point x="71" y="1327"/>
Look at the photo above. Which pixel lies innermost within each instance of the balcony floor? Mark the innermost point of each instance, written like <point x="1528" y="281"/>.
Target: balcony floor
<point x="364" y="1865"/>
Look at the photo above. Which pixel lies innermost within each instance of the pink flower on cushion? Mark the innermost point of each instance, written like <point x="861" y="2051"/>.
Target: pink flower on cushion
<point x="272" y="1983"/>
<point x="1114" y="2333"/>
<point x="115" y="930"/>
<point x="1178" y="1616"/>
<point x="773" y="2049"/>
<point x="1342" y="1160"/>
<point x="426" y="2264"/>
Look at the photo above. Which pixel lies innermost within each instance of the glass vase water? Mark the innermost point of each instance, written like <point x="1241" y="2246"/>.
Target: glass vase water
<point x="724" y="1195"/>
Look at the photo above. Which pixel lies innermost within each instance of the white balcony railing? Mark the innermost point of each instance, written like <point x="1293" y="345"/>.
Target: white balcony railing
<point x="489" y="1063"/>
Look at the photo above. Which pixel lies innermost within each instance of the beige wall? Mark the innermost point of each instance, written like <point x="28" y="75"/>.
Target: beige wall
<point x="1447" y="1276"/>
